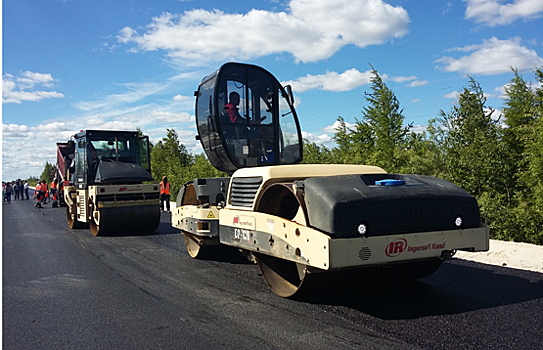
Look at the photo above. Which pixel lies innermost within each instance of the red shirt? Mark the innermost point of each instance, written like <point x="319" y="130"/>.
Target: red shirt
<point x="232" y="112"/>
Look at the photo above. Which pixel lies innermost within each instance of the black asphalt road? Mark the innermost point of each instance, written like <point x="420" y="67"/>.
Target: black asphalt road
<point x="66" y="289"/>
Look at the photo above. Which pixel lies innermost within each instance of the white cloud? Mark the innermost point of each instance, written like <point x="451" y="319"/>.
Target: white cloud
<point x="417" y="83"/>
<point x="135" y="92"/>
<point x="400" y="79"/>
<point x="331" y="81"/>
<point x="322" y="138"/>
<point x="7" y="128"/>
<point x="15" y="131"/>
<point x="452" y="95"/>
<point x="54" y="126"/>
<point x="310" y="30"/>
<point x="21" y="88"/>
<point x="169" y="117"/>
<point x="181" y="98"/>
<point x="493" y="56"/>
<point x="29" y="79"/>
<point x="112" y="125"/>
<point x="494" y="12"/>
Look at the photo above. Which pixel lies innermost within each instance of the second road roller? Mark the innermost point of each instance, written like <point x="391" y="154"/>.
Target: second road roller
<point x="305" y="223"/>
<point x="107" y="189"/>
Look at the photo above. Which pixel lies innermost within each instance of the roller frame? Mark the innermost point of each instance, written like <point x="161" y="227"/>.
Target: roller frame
<point x="294" y="241"/>
<point x="198" y="220"/>
<point x="288" y="240"/>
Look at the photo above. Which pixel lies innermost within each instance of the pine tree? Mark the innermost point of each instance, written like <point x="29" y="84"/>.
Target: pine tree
<point x="383" y="118"/>
<point x="380" y="136"/>
<point x="472" y="143"/>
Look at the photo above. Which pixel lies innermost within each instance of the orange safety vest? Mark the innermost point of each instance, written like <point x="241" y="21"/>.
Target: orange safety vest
<point x="53" y="186"/>
<point x="38" y="187"/>
<point x="165" y="189"/>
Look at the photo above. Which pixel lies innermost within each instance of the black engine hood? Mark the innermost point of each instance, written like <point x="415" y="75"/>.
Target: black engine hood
<point x="110" y="171"/>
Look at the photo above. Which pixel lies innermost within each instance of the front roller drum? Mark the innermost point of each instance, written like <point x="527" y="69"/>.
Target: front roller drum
<point x="207" y="248"/>
<point x="124" y="220"/>
<point x="71" y="218"/>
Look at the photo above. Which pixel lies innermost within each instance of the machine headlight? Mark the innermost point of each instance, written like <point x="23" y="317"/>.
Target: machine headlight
<point x="458" y="221"/>
<point x="362" y="229"/>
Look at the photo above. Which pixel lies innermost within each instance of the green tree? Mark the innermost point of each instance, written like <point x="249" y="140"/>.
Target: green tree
<point x="471" y="140"/>
<point x="48" y="173"/>
<point x="385" y="120"/>
<point x="519" y="102"/>
<point x="518" y="214"/>
<point x="420" y="156"/>
<point x="170" y="158"/>
<point x="533" y="152"/>
<point x="202" y="168"/>
<point x="380" y="136"/>
<point x="317" y="154"/>
<point x="529" y="212"/>
<point x="355" y="145"/>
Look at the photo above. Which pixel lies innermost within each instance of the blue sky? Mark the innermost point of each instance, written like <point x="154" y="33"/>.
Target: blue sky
<point x="69" y="65"/>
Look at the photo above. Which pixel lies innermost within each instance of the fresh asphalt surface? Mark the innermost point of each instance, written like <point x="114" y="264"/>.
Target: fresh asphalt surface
<point x="66" y="289"/>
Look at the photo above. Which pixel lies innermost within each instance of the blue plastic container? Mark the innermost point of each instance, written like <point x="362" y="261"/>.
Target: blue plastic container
<point x="390" y="182"/>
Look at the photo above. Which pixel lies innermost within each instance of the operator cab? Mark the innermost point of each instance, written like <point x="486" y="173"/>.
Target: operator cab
<point x="245" y="118"/>
<point x="108" y="157"/>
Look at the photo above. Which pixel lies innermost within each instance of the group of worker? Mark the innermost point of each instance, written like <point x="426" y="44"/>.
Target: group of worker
<point x="43" y="195"/>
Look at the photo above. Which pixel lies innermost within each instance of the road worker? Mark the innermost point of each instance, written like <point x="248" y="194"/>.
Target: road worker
<point x="38" y="195"/>
<point x="165" y="194"/>
<point x="54" y="193"/>
<point x="45" y="191"/>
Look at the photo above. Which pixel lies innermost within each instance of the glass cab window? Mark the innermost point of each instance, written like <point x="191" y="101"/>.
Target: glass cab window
<point x="246" y="119"/>
<point x="80" y="161"/>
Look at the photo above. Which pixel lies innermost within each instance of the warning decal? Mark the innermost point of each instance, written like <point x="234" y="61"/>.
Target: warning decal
<point x="210" y="215"/>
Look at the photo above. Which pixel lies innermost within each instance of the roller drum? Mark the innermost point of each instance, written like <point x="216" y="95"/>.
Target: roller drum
<point x="125" y="220"/>
<point x="293" y="280"/>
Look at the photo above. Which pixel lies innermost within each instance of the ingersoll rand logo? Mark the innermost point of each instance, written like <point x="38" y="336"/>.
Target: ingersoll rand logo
<point x="244" y="221"/>
<point x="126" y="189"/>
<point x="396" y="247"/>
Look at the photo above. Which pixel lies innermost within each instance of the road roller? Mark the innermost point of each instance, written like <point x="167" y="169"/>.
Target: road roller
<point x="305" y="224"/>
<point x="108" y="187"/>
